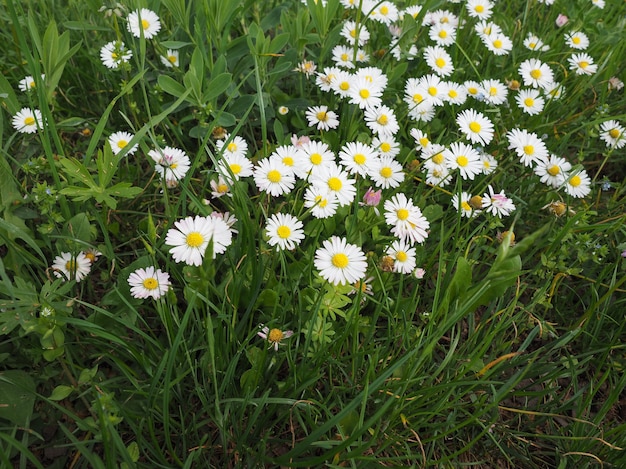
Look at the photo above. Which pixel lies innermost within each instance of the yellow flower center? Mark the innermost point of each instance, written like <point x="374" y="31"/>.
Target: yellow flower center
<point x="32" y="84"/>
<point x="283" y="232"/>
<point x="353" y="33"/>
<point x="235" y="168"/>
<point x="532" y="45"/>
<point x="614" y="133"/>
<point x="386" y="172"/>
<point x="194" y="239"/>
<point x="288" y="161"/>
<point x="275" y="335"/>
<point x="554" y="170"/>
<point x="385" y="147"/>
<point x="359" y="158"/>
<point x="497" y="43"/>
<point x="438" y="158"/>
<point x="466" y="206"/>
<point x="344" y="57"/>
<point x="70" y="265"/>
<point x="340" y="260"/>
<point x="493" y="91"/>
<point x="418" y="98"/>
<point x="232" y="146"/>
<point x="443" y="34"/>
<point x="424" y="141"/>
<point x="150" y="283"/>
<point x="529" y="149"/>
<point x="274" y="176"/>
<point x="321" y="116"/>
<point x="384" y="10"/>
<point x="222" y="188"/>
<point x="316" y="158"/>
<point x="121" y="143"/>
<point x="91" y="256"/>
<point x="440" y="62"/>
<point x="364" y="93"/>
<point x="583" y="64"/>
<point x="401" y="256"/>
<point x="344" y="86"/>
<point x="383" y="120"/>
<point x="529" y="102"/>
<point x="174" y="166"/>
<point x="479" y="8"/>
<point x="321" y="202"/>
<point x="472" y="90"/>
<point x="115" y="55"/>
<point x="474" y="127"/>
<point x="453" y="93"/>
<point x="145" y="24"/>
<point x="402" y="213"/>
<point x="171" y="58"/>
<point x="334" y="184"/>
<point x="462" y="161"/>
<point x="576" y="40"/>
<point x="29" y="120"/>
<point x="535" y="73"/>
<point x="432" y="91"/>
<point x="575" y="180"/>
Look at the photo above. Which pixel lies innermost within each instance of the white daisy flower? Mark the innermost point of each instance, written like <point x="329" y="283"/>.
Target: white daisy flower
<point x="322" y="118"/>
<point x="342" y="83"/>
<point x="582" y="64"/>
<point x="149" y="282"/>
<point x="481" y="9"/>
<point x="119" y="141"/>
<point x="553" y="171"/>
<point x="461" y="202"/>
<point x="464" y="158"/>
<point x="403" y="255"/>
<point x="444" y="34"/>
<point x="272" y="176"/>
<point x="489" y="163"/>
<point x="236" y="146"/>
<point x="114" y="53"/>
<point x="191" y="236"/>
<point x="577" y="40"/>
<point x="315" y="155"/>
<point x="145" y="21"/>
<point x="528" y="146"/>
<point x="535" y="73"/>
<point x="358" y="158"/>
<point x="220" y="188"/>
<point x="497" y="204"/>
<point x="613" y="134"/>
<point x="578" y="184"/>
<point x="70" y="267"/>
<point x="476" y="127"/>
<point x="438" y="60"/>
<point x="171" y="163"/>
<point x="407" y="221"/>
<point x="324" y="80"/>
<point x="457" y="93"/>
<point x="499" y="44"/>
<point x="284" y="231"/>
<point x="28" y="83"/>
<point x="365" y="94"/>
<point x="340" y="262"/>
<point x="385" y="146"/>
<point x="533" y="42"/>
<point x="494" y="91"/>
<point x="530" y="101"/>
<point x="321" y="202"/>
<point x="335" y="180"/>
<point x="343" y="56"/>
<point x="486" y="28"/>
<point x="386" y="172"/>
<point x="382" y="121"/>
<point x="354" y="33"/>
<point x="288" y="155"/>
<point x="27" y="121"/>
<point x="171" y="58"/>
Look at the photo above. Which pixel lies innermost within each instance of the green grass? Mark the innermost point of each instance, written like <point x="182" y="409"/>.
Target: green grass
<point x="509" y="352"/>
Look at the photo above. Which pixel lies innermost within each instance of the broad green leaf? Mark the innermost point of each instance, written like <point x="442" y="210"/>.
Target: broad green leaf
<point x="171" y="86"/>
<point x="17" y="396"/>
<point x="217" y="85"/>
<point x="60" y="392"/>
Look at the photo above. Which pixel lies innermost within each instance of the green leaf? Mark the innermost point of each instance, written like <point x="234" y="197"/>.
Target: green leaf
<point x="60" y="392"/>
<point x="171" y="86"/>
<point x="17" y="396"/>
<point x="87" y="375"/>
<point x="217" y="85"/>
<point x="133" y="451"/>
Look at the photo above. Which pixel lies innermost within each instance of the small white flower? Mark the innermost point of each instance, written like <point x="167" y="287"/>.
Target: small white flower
<point x="119" y="141"/>
<point x="149" y="282"/>
<point x="70" y="267"/>
<point x="191" y="236"/>
<point x="340" y="262"/>
<point x="284" y="231"/>
<point x="144" y="20"/>
<point x="27" y="121"/>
